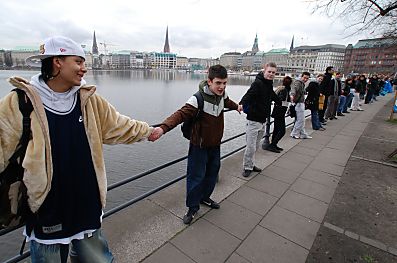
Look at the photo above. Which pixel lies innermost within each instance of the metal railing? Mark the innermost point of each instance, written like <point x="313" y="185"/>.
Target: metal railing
<point x="110" y="212"/>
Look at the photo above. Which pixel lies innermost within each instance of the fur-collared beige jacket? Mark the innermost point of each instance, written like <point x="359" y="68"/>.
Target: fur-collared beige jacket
<point x="103" y="125"/>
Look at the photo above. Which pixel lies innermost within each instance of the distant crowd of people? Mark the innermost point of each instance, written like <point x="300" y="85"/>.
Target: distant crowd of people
<point x="64" y="170"/>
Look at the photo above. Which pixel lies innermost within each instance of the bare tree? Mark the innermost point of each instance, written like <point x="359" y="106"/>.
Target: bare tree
<point x="373" y="16"/>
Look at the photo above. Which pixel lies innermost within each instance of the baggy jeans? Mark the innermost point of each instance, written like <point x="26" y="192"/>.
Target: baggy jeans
<point x="203" y="166"/>
<point x="93" y="248"/>
<point x="254" y="133"/>
<point x="315" y="120"/>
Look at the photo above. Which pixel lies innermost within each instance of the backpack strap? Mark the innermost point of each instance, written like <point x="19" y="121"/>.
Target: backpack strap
<point x="26" y="108"/>
<point x="200" y="102"/>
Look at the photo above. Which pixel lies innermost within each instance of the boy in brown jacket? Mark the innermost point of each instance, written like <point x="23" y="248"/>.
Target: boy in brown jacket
<point x="204" y="151"/>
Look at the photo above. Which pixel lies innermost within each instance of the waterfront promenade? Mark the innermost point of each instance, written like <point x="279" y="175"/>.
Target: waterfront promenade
<point x="296" y="210"/>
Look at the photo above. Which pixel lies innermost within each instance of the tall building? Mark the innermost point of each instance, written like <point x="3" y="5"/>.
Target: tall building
<point x="377" y="55"/>
<point x="166" y="44"/>
<point x="96" y="62"/>
<point x="255" y="47"/>
<point x="94" y="45"/>
<point x="292" y="44"/>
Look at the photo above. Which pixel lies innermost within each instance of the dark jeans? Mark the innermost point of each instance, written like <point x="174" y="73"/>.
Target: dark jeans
<point x="342" y="103"/>
<point x="349" y="100"/>
<point x="315" y="120"/>
<point x="278" y="129"/>
<point x="369" y="95"/>
<point x="202" y="172"/>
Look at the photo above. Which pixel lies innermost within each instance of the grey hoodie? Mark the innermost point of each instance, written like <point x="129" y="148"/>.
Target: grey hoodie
<point x="60" y="103"/>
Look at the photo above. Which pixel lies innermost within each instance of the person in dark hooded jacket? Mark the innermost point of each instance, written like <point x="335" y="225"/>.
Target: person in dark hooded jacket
<point x="257" y="102"/>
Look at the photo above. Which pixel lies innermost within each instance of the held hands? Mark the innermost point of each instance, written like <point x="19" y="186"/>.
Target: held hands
<point x="156" y="134"/>
<point x="240" y="108"/>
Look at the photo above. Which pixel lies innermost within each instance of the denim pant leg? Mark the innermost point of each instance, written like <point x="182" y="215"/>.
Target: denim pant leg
<point x="93" y="248"/>
<point x="315" y="120"/>
<point x="254" y="134"/>
<point x="342" y="102"/>
<point x="196" y="167"/>
<point x="349" y="101"/>
<point x="41" y="253"/>
<point x="211" y="172"/>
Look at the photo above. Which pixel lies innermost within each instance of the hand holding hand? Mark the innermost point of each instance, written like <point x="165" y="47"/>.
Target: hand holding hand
<point x="240" y="108"/>
<point x="156" y="134"/>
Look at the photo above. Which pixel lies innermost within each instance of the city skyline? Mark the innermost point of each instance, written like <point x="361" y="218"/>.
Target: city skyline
<point x="197" y="28"/>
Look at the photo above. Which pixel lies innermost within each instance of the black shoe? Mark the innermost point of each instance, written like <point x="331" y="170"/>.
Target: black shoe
<point x="335" y="118"/>
<point x="210" y="203"/>
<point x="271" y="148"/>
<point x="346" y="112"/>
<point x="256" y="169"/>
<point x="279" y="148"/>
<point x="247" y="173"/>
<point x="188" y="218"/>
<point x="340" y="114"/>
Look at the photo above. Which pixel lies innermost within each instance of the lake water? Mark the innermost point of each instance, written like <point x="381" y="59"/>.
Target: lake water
<point x="149" y="96"/>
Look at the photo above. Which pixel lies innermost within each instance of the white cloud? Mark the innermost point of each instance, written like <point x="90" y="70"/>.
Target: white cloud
<point x="197" y="28"/>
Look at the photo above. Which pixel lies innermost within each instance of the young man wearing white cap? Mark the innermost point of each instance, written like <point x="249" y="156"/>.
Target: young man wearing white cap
<point x="64" y="165"/>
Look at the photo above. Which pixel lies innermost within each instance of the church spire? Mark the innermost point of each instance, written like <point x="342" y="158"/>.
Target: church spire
<point x="166" y="44"/>
<point x="94" y="45"/>
<point x="255" y="47"/>
<point x="292" y="44"/>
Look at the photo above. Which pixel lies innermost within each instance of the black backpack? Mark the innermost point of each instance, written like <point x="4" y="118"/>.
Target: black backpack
<point x="187" y="126"/>
<point x="14" y="208"/>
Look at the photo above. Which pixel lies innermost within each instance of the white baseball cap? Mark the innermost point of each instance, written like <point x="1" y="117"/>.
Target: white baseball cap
<point x="56" y="46"/>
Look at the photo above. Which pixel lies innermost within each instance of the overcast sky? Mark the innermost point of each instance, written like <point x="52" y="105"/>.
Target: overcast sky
<point x="197" y="28"/>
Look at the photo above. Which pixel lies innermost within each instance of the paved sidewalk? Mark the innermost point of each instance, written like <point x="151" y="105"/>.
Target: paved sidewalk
<point x="275" y="215"/>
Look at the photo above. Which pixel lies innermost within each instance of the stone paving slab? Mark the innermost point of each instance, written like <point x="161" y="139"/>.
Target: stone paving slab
<point x="254" y="200"/>
<point x="292" y="226"/>
<point x="236" y="258"/>
<point x="279" y="173"/>
<point x="168" y="254"/>
<point x="321" y="177"/>
<point x="313" y="189"/>
<point x="295" y="166"/>
<point x="333" y="156"/>
<point x="234" y="219"/>
<point x="262" y="245"/>
<point x="328" y="168"/>
<point x="304" y="205"/>
<point x="268" y="185"/>
<point x="294" y="156"/>
<point x="305" y="151"/>
<point x="206" y="243"/>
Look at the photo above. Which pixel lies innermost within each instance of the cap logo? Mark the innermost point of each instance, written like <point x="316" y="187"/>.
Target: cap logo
<point x="62" y="49"/>
<point x="42" y="50"/>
